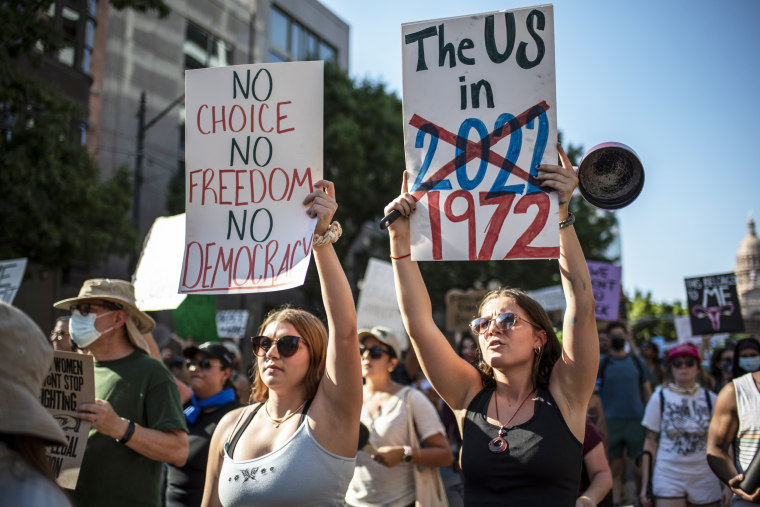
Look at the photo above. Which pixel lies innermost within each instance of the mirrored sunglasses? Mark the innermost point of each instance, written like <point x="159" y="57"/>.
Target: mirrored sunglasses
<point x="503" y="322"/>
<point x="375" y="351"/>
<point x="688" y="362"/>
<point x="286" y="345"/>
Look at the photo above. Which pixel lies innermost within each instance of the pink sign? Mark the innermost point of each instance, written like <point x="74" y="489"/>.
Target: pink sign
<point x="605" y="282"/>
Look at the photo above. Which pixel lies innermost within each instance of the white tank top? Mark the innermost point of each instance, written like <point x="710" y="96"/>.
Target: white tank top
<point x="748" y="408"/>
<point x="300" y="473"/>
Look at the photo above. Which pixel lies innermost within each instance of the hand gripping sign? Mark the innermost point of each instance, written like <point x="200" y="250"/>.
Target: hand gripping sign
<point x="479" y="116"/>
<point x="253" y="153"/>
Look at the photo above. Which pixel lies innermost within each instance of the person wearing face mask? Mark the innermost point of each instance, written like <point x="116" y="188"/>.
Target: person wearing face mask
<point x="746" y="357"/>
<point x="624" y="388"/>
<point x="137" y="420"/>
<point x="721" y="367"/>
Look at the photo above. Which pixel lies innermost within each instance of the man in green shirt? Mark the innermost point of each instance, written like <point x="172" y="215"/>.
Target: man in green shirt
<point x="137" y="419"/>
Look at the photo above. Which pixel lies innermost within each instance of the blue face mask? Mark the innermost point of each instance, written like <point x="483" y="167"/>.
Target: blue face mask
<point x="749" y="363"/>
<point x="82" y="328"/>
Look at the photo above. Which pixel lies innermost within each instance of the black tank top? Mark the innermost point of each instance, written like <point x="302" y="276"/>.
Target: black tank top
<point x="541" y="467"/>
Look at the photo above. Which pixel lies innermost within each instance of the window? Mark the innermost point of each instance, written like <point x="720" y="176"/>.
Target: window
<point x="290" y="40"/>
<point x="204" y="50"/>
<point x="76" y="21"/>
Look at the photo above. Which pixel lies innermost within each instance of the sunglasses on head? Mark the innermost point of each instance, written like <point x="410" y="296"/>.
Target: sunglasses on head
<point x="503" y="322"/>
<point x="375" y="351"/>
<point x="286" y="345"/>
<point x="203" y="364"/>
<point x="85" y="308"/>
<point x="688" y="362"/>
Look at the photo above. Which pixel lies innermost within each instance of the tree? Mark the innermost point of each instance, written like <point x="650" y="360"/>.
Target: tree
<point x="54" y="209"/>
<point x="649" y="318"/>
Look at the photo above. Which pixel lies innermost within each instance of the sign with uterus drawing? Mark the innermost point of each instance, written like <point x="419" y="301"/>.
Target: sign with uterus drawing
<point x="713" y="304"/>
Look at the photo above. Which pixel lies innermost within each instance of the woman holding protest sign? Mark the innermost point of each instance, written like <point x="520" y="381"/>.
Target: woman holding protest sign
<point x="522" y="415"/>
<point x="297" y="446"/>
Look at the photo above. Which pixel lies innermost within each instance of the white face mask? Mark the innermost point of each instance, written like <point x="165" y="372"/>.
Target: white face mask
<point x="749" y="363"/>
<point x="82" y="328"/>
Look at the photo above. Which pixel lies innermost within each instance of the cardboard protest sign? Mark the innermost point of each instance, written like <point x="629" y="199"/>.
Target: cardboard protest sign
<point x="479" y="115"/>
<point x="253" y="153"/>
<point x="713" y="304"/>
<point x="605" y="282"/>
<point x="160" y="265"/>
<point x="231" y="323"/>
<point x="377" y="305"/>
<point x="70" y="381"/>
<point x="11" y="274"/>
<point x="461" y="308"/>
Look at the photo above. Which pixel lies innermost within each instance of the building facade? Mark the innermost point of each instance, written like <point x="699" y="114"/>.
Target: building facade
<point x="748" y="279"/>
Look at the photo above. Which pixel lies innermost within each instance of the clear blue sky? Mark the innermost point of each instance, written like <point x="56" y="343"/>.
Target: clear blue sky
<point x="678" y="81"/>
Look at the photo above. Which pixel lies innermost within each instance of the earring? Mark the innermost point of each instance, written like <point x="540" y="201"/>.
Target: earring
<point x="537" y="350"/>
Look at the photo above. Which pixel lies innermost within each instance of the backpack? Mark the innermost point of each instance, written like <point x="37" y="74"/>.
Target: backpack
<point x="606" y="362"/>
<point x="707" y="398"/>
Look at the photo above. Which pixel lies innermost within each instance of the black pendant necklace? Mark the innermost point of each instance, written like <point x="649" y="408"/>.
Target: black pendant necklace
<point x="499" y="444"/>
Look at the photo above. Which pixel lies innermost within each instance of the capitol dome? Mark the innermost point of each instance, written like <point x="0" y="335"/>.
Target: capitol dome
<point x="748" y="278"/>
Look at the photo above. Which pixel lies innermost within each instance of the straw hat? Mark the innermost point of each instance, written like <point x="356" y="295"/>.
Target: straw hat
<point x="28" y="355"/>
<point x="121" y="293"/>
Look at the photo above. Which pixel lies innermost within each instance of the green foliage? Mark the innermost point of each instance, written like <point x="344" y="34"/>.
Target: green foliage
<point x="648" y="318"/>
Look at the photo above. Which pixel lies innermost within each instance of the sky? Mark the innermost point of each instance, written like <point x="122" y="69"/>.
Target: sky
<point x="675" y="80"/>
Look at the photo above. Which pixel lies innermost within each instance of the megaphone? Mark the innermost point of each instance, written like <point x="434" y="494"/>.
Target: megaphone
<point x="610" y="176"/>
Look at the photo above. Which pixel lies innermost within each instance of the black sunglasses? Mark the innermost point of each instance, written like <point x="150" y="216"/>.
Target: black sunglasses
<point x="678" y="362"/>
<point x="203" y="364"/>
<point x="85" y="308"/>
<point x="286" y="345"/>
<point x="375" y="351"/>
<point x="503" y="322"/>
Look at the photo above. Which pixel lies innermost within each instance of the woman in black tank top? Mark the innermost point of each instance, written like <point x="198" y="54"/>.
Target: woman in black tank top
<point x="522" y="412"/>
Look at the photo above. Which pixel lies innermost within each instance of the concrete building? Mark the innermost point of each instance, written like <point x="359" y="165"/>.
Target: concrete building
<point x="748" y="279"/>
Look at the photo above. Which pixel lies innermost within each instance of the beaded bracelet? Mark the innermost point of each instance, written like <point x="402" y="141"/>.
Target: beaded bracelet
<point x="331" y="235"/>
<point x="570" y="220"/>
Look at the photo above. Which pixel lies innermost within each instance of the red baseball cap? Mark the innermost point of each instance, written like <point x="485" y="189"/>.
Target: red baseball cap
<point x="683" y="349"/>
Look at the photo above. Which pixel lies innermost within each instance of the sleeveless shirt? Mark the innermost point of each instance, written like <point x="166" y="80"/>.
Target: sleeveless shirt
<point x="541" y="466"/>
<point x="299" y="473"/>
<point x="748" y="409"/>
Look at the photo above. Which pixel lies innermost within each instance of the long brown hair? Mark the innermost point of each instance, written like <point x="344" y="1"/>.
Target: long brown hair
<point x="314" y="333"/>
<point x="549" y="353"/>
<point x="32" y="449"/>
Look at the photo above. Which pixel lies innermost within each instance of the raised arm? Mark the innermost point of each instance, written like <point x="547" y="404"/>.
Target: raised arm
<point x="574" y="374"/>
<point x="337" y="404"/>
<point x="453" y="378"/>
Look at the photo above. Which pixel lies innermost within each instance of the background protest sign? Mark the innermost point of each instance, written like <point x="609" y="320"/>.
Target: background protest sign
<point x="479" y="115"/>
<point x="231" y="323"/>
<point x="253" y="153"/>
<point x="195" y="318"/>
<point x="377" y="304"/>
<point x="69" y="382"/>
<point x="11" y="274"/>
<point x="550" y="298"/>
<point x="605" y="282"/>
<point x="462" y="307"/>
<point x="160" y="265"/>
<point x="713" y="304"/>
<point x="682" y="323"/>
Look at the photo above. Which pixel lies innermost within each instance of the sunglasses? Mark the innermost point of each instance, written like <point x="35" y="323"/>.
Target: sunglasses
<point x="375" y="351"/>
<point x="503" y="322"/>
<point x="688" y="362"/>
<point x="58" y="336"/>
<point x="203" y="364"/>
<point x="286" y="345"/>
<point x="86" y="308"/>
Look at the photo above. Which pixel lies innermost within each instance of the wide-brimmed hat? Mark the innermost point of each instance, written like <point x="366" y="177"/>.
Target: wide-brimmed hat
<point x="683" y="349"/>
<point x="121" y="293"/>
<point x="384" y="336"/>
<point x="28" y="355"/>
<point x="211" y="349"/>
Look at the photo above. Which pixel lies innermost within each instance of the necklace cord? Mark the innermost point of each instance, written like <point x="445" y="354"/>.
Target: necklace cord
<point x="285" y="417"/>
<point x="496" y="402"/>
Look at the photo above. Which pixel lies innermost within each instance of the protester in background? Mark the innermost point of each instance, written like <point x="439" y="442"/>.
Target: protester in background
<point x="596" y="476"/>
<point x="385" y="477"/>
<point x="650" y="352"/>
<point x="210" y="367"/>
<point x="468" y="349"/>
<point x="604" y="343"/>
<point x="530" y="396"/>
<point x="677" y="418"/>
<point x="60" y="337"/>
<point x="263" y="454"/>
<point x="238" y="378"/>
<point x="26" y="427"/>
<point x="721" y="367"/>
<point x="746" y="357"/>
<point x="625" y="388"/>
<point x="732" y="441"/>
<point x="137" y="420"/>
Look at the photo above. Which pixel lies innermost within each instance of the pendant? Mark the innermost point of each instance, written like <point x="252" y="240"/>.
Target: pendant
<point x="276" y="425"/>
<point x="497" y="445"/>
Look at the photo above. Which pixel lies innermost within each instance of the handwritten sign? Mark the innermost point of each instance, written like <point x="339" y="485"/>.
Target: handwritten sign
<point x="682" y="323"/>
<point x="70" y="381"/>
<point x="377" y="305"/>
<point x="254" y="152"/>
<point x="462" y="307"/>
<point x="231" y="323"/>
<point x="159" y="268"/>
<point x="11" y="274"/>
<point x="605" y="282"/>
<point x="479" y="115"/>
<point x="551" y="298"/>
<point x="713" y="304"/>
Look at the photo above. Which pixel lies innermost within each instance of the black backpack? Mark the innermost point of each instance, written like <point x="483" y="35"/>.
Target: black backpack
<point x="606" y="362"/>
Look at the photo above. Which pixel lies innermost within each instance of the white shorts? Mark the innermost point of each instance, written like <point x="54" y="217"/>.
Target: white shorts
<point x="696" y="483"/>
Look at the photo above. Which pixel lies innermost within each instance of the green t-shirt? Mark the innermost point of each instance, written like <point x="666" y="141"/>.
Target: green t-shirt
<point x="141" y="389"/>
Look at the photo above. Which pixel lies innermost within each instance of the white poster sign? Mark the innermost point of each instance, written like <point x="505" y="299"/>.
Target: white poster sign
<point x="479" y="115"/>
<point x="682" y="324"/>
<point x="253" y="153"/>
<point x="11" y="274"/>
<point x="551" y="298"/>
<point x="377" y="304"/>
<point x="231" y="323"/>
<point x="160" y="265"/>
